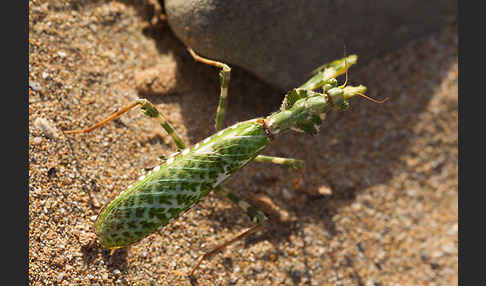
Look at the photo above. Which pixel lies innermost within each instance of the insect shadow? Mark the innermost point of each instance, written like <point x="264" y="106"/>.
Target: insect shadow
<point x="116" y="260"/>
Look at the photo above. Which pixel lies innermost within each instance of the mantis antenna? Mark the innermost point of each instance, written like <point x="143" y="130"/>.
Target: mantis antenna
<point x="346" y="81"/>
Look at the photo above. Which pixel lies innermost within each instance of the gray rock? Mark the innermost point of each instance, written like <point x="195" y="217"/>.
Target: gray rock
<point x="281" y="41"/>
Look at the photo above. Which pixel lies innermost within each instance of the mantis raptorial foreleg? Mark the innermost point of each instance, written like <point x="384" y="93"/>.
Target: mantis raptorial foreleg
<point x="221" y="110"/>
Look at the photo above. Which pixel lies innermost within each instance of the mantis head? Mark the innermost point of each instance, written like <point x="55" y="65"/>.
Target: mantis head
<point x="304" y="108"/>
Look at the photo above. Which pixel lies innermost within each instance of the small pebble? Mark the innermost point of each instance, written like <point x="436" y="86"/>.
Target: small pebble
<point x="448" y="248"/>
<point x="34" y="85"/>
<point x="287" y="194"/>
<point x="453" y="229"/>
<point x="46" y="128"/>
<point x="412" y="192"/>
<point x="60" y="276"/>
<point x="36" y="140"/>
<point x="324" y="190"/>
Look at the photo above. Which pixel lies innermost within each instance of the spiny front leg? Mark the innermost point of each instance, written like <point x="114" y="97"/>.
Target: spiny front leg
<point x="256" y="216"/>
<point x="293" y="163"/>
<point x="149" y="110"/>
<point x="224" y="79"/>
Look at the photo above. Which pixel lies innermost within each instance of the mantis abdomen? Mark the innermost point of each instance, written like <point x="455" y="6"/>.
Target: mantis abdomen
<point x="177" y="185"/>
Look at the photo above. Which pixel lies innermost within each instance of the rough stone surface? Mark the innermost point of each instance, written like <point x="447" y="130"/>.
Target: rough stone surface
<point x="281" y="41"/>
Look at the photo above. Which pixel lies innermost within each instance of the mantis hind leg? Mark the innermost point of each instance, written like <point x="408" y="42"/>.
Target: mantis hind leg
<point x="255" y="215"/>
<point x="148" y="109"/>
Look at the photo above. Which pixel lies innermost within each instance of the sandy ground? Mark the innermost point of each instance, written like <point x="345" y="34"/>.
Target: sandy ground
<point x="378" y="203"/>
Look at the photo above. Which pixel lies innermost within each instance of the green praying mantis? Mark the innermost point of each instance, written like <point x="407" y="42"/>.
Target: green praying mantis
<point x="171" y="189"/>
